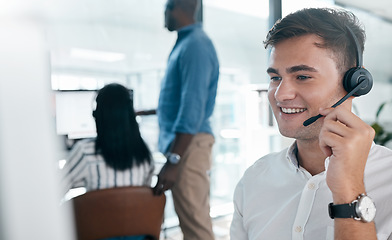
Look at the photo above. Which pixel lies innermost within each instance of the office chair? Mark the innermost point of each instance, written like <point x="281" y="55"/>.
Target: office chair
<point x="113" y="212"/>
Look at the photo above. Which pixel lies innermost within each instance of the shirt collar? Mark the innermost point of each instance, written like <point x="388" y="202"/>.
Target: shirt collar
<point x="291" y="155"/>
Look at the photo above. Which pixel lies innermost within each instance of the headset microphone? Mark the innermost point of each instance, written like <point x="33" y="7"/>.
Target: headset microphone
<point x="362" y="84"/>
<point x="357" y="81"/>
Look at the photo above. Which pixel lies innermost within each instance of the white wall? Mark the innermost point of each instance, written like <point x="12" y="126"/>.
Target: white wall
<point x="367" y="105"/>
<point x="29" y="195"/>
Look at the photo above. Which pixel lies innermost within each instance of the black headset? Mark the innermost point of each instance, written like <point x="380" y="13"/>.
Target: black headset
<point x="357" y="81"/>
<point x="357" y="75"/>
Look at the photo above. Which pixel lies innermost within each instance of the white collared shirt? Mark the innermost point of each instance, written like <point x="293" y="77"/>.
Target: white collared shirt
<point x="278" y="199"/>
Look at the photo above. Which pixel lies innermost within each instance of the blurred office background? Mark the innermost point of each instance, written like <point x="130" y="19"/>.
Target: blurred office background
<point x="55" y="54"/>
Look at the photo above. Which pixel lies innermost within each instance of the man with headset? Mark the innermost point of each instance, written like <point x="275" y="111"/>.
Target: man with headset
<point x="328" y="183"/>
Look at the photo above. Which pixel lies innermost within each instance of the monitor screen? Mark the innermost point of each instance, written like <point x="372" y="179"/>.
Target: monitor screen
<point x="74" y="113"/>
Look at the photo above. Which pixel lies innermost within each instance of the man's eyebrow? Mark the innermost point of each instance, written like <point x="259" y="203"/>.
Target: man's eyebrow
<point x="300" y="68"/>
<point x="272" y="70"/>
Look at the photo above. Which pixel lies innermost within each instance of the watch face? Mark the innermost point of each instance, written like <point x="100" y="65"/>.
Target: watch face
<point x="366" y="209"/>
<point x="173" y="158"/>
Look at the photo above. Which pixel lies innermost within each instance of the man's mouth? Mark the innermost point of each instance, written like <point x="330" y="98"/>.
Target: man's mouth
<point x="292" y="110"/>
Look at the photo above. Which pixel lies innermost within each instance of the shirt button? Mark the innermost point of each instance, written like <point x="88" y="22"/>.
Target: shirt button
<point x="311" y="186"/>
<point x="298" y="229"/>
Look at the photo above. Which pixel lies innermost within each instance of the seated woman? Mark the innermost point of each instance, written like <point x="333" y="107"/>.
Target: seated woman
<point x="118" y="156"/>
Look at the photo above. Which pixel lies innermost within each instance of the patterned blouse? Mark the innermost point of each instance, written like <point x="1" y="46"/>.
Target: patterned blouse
<point x="86" y="169"/>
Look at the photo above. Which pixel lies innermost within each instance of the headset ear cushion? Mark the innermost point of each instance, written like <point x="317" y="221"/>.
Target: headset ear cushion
<point x="355" y="76"/>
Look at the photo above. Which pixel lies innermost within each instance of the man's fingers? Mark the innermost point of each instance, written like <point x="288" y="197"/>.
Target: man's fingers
<point x="159" y="188"/>
<point x="338" y="114"/>
<point x="336" y="127"/>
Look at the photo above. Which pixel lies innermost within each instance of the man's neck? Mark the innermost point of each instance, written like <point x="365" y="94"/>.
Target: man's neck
<point x="310" y="156"/>
<point x="185" y="21"/>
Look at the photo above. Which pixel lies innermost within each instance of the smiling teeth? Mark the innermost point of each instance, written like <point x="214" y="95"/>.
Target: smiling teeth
<point x="293" y="110"/>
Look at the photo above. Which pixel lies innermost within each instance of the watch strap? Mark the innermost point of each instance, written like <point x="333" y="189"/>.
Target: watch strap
<point x="342" y="210"/>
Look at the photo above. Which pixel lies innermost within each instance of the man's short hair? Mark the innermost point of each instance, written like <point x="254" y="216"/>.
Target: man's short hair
<point x="329" y="24"/>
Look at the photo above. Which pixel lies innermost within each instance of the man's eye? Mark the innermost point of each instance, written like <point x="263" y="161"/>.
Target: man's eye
<point x="275" y="78"/>
<point x="301" y="77"/>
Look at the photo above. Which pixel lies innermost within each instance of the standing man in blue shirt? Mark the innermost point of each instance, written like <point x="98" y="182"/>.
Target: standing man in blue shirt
<point x="186" y="103"/>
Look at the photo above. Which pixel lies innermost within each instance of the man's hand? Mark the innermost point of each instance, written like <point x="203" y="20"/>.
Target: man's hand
<point x="169" y="173"/>
<point x="347" y="140"/>
<point x="167" y="177"/>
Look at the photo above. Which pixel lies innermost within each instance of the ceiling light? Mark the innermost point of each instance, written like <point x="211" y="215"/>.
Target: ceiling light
<point x="95" y="55"/>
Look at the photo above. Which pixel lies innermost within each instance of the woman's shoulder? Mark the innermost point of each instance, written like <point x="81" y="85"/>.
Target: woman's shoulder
<point x="84" y="145"/>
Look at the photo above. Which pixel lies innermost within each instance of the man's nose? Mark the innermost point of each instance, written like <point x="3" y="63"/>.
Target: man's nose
<point x="285" y="91"/>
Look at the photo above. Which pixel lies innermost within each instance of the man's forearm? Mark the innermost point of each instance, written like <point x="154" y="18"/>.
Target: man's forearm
<point x="181" y="143"/>
<point x="348" y="229"/>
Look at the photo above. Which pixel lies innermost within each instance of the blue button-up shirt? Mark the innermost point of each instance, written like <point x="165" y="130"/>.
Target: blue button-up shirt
<point x="188" y="90"/>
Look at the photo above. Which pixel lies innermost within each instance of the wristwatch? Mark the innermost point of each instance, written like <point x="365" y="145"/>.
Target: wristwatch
<point x="361" y="209"/>
<point x="173" y="158"/>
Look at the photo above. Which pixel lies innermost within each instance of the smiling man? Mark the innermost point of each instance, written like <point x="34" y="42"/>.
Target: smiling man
<point x="327" y="184"/>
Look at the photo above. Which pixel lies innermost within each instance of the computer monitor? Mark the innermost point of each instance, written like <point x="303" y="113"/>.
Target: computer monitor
<point x="74" y="113"/>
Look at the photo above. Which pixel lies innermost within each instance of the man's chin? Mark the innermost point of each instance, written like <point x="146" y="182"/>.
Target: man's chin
<point x="291" y="132"/>
<point x="287" y="133"/>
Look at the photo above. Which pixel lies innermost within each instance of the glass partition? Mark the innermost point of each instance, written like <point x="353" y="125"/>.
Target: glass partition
<point x="93" y="43"/>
